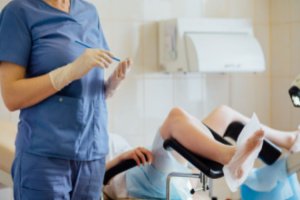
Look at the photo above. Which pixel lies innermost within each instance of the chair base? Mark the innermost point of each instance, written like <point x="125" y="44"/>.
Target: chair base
<point x="206" y="182"/>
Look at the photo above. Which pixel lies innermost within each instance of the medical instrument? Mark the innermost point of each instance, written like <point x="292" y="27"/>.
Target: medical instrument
<point x="87" y="46"/>
<point x="294" y="91"/>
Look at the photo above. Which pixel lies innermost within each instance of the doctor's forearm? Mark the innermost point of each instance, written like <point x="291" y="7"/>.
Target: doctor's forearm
<point x="20" y="92"/>
<point x="27" y="92"/>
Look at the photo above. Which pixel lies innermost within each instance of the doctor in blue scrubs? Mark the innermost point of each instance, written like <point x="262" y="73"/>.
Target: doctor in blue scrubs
<point x="48" y="73"/>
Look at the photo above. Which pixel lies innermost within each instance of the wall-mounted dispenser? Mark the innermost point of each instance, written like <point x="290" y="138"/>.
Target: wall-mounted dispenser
<point x="209" y="45"/>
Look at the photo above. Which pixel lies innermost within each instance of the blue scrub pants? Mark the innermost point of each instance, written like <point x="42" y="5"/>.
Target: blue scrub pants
<point x="42" y="178"/>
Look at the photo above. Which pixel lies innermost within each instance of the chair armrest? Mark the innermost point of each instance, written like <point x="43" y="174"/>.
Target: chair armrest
<point x="121" y="167"/>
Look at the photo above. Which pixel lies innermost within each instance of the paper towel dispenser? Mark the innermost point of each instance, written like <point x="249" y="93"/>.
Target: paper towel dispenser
<point x="209" y="45"/>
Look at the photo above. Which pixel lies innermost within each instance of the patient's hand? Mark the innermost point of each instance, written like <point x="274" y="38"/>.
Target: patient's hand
<point x="141" y="155"/>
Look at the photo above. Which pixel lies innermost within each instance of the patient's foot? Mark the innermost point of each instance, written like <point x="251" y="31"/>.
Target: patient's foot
<point x="235" y="165"/>
<point x="241" y="163"/>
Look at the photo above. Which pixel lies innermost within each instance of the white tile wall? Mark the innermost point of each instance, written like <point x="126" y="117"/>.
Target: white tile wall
<point x="4" y="113"/>
<point x="261" y="12"/>
<point x="124" y="40"/>
<point x="243" y="93"/>
<point x="129" y="10"/>
<point x="281" y="103"/>
<point x="186" y="8"/>
<point x="158" y="94"/>
<point x="150" y="51"/>
<point x="295" y="49"/>
<point x="3" y="3"/>
<point x="241" y="9"/>
<point x="280" y="11"/>
<point x="129" y="106"/>
<point x="285" y="47"/>
<point x="262" y="33"/>
<point x="6" y="193"/>
<point x="216" y="8"/>
<point x="281" y="51"/>
<point x="157" y="10"/>
<point x="262" y="95"/>
<point x="190" y="93"/>
<point x="295" y="116"/>
<point x="217" y="91"/>
<point x="295" y="14"/>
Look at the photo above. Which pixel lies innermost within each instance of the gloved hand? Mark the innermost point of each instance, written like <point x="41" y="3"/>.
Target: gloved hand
<point x="82" y="65"/>
<point x="117" y="76"/>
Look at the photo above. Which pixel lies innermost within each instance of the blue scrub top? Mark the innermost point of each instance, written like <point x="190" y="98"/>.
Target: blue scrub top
<point x="72" y="124"/>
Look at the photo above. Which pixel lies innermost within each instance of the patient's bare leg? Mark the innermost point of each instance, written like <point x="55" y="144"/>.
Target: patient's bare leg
<point x="221" y="117"/>
<point x="188" y="131"/>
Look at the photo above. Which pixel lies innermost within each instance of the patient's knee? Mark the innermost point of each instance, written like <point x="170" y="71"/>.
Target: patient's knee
<point x="177" y="113"/>
<point x="176" y="116"/>
<point x="223" y="109"/>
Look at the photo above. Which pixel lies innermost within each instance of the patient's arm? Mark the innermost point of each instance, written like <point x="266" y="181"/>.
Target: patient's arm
<point x="221" y="117"/>
<point x="140" y="155"/>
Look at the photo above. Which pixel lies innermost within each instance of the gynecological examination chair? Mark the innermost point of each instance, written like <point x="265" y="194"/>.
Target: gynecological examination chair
<point x="208" y="168"/>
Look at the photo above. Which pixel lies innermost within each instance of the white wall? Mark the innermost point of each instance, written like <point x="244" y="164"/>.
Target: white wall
<point x="148" y="94"/>
<point x="285" y="61"/>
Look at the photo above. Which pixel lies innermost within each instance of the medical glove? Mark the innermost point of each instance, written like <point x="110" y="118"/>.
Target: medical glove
<point x="116" y="77"/>
<point x="91" y="58"/>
